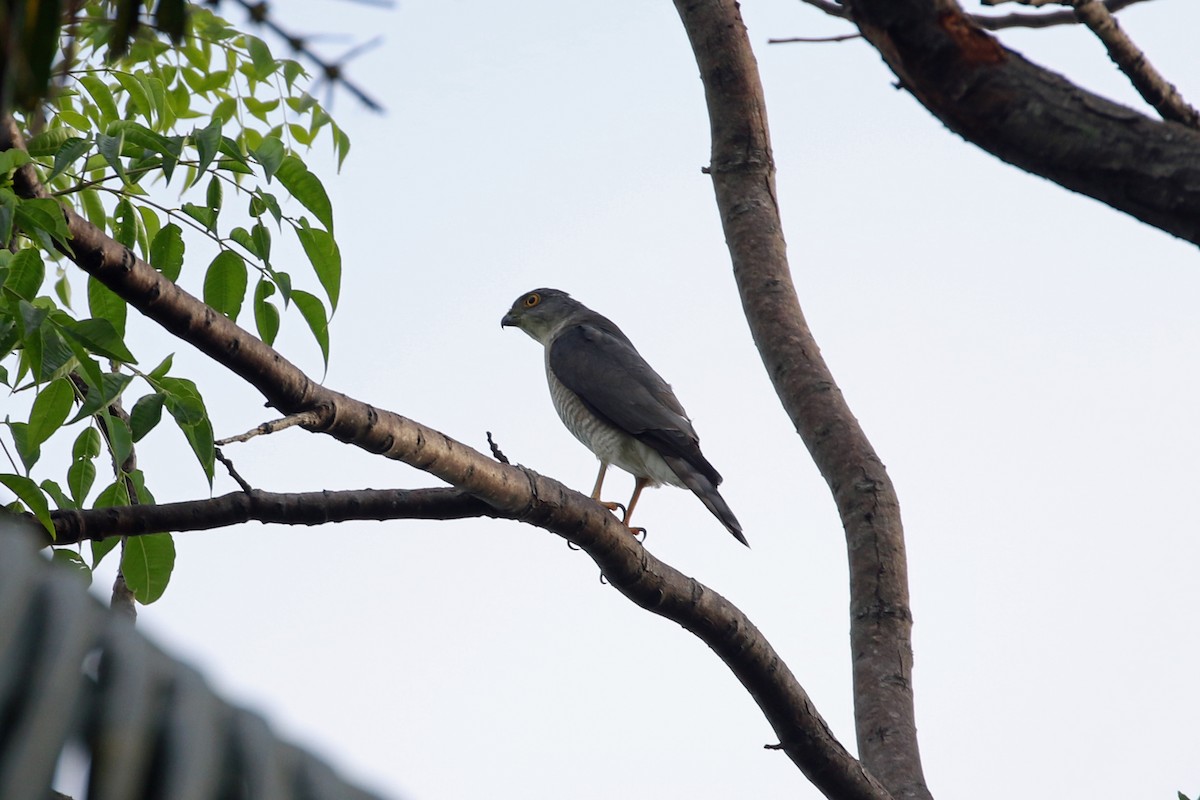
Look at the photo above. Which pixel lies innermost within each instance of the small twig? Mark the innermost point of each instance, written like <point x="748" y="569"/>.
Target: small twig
<point x="1017" y="20"/>
<point x="496" y="452"/>
<point x="303" y="418"/>
<point x="815" y="39"/>
<point x="1047" y="20"/>
<point x="1149" y="82"/>
<point x="332" y="71"/>
<point x="233" y="473"/>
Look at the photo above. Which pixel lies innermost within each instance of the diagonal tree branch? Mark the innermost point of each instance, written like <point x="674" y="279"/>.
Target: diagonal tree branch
<point x="1149" y="82"/>
<point x="743" y="174"/>
<point x="511" y="491"/>
<point x="1036" y="119"/>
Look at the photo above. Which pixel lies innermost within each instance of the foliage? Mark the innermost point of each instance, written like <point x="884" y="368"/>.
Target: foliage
<point x="187" y="154"/>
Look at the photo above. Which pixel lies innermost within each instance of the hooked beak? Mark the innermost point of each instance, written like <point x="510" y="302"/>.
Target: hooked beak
<point x="509" y="320"/>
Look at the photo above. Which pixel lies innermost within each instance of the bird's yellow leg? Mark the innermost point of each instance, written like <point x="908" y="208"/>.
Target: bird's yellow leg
<point x="638" y="485"/>
<point x="599" y="483"/>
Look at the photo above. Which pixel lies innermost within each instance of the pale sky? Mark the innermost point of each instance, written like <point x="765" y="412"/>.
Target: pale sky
<point x="1023" y="359"/>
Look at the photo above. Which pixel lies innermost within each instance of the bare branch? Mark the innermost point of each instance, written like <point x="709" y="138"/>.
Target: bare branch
<point x="1151" y="85"/>
<point x="743" y="175"/>
<point x="306" y="419"/>
<point x="845" y="37"/>
<point x="254" y="505"/>
<point x="510" y="491"/>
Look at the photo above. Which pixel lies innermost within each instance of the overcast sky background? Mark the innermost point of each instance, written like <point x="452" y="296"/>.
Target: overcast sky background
<point x="1023" y="359"/>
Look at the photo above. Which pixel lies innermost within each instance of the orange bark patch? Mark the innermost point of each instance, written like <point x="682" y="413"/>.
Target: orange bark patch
<point x="975" y="45"/>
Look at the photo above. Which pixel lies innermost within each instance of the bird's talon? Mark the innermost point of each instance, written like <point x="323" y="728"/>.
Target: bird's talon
<point x="613" y="507"/>
<point x="638" y="533"/>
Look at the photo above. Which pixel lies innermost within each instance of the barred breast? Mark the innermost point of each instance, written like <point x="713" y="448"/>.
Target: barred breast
<point x="608" y="443"/>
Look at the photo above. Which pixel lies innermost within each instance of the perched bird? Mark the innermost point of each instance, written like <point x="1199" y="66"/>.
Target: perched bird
<point x="613" y="402"/>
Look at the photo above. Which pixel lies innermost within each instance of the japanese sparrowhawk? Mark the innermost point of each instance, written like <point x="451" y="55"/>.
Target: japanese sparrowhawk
<point x="615" y="403"/>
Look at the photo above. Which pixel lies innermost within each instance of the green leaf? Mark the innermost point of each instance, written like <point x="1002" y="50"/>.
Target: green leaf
<point x="31" y="495"/>
<point x="313" y="312"/>
<point x="213" y="195"/>
<point x="202" y="214"/>
<point x="110" y="148"/>
<point x="80" y="477"/>
<point x="147" y="564"/>
<point x="139" y="98"/>
<point x="260" y="56"/>
<point x="225" y="283"/>
<point x="62" y="289"/>
<point x="92" y="207"/>
<point x="162" y="369"/>
<point x="166" y="251"/>
<point x="100" y="93"/>
<point x="99" y="337"/>
<point x="71" y="560"/>
<point x="111" y="386"/>
<point x="68" y="154"/>
<point x="242" y="237"/>
<point x="8" y="212"/>
<point x="28" y="450"/>
<point x="25" y="273"/>
<point x="266" y="315"/>
<point x="43" y="217"/>
<point x="56" y="493"/>
<point x="87" y="444"/>
<point x="307" y="188"/>
<point x="119" y="438"/>
<point x="103" y="303"/>
<point x="207" y="140"/>
<point x="341" y="145"/>
<point x="50" y="410"/>
<point x="147" y="412"/>
<point x="125" y="223"/>
<point x="114" y="495"/>
<point x="323" y="254"/>
<point x="44" y="144"/>
<point x="269" y="155"/>
<point x="262" y="241"/>
<point x="102" y="547"/>
<point x="185" y="404"/>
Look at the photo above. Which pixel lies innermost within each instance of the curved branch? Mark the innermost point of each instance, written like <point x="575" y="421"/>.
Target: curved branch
<point x="1036" y="119"/>
<point x="510" y="490"/>
<point x="743" y="173"/>
<point x="292" y="508"/>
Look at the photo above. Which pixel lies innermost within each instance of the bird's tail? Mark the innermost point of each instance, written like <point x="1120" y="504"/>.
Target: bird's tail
<point x="704" y="488"/>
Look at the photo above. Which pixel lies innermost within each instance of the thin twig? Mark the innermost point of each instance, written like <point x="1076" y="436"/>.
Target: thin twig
<point x="233" y="473"/>
<point x="333" y="71"/>
<point x="845" y="37"/>
<point x="303" y="418"/>
<point x="1149" y="82"/>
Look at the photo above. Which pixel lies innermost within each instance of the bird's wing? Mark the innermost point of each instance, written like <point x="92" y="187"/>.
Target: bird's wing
<point x="612" y="379"/>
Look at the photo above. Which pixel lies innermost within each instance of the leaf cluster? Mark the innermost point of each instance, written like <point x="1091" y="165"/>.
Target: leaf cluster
<point x="189" y="153"/>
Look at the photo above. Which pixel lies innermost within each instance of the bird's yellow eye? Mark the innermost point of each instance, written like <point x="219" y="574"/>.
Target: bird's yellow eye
<point x="532" y="300"/>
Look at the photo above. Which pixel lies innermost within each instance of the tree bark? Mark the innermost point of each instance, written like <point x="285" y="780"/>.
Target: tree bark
<point x="1036" y="119"/>
<point x="743" y="173"/>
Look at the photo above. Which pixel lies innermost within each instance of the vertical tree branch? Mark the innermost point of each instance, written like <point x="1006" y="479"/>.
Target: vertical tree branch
<point x="743" y="172"/>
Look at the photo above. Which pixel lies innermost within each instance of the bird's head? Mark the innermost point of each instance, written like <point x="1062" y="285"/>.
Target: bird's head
<point x="539" y="312"/>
